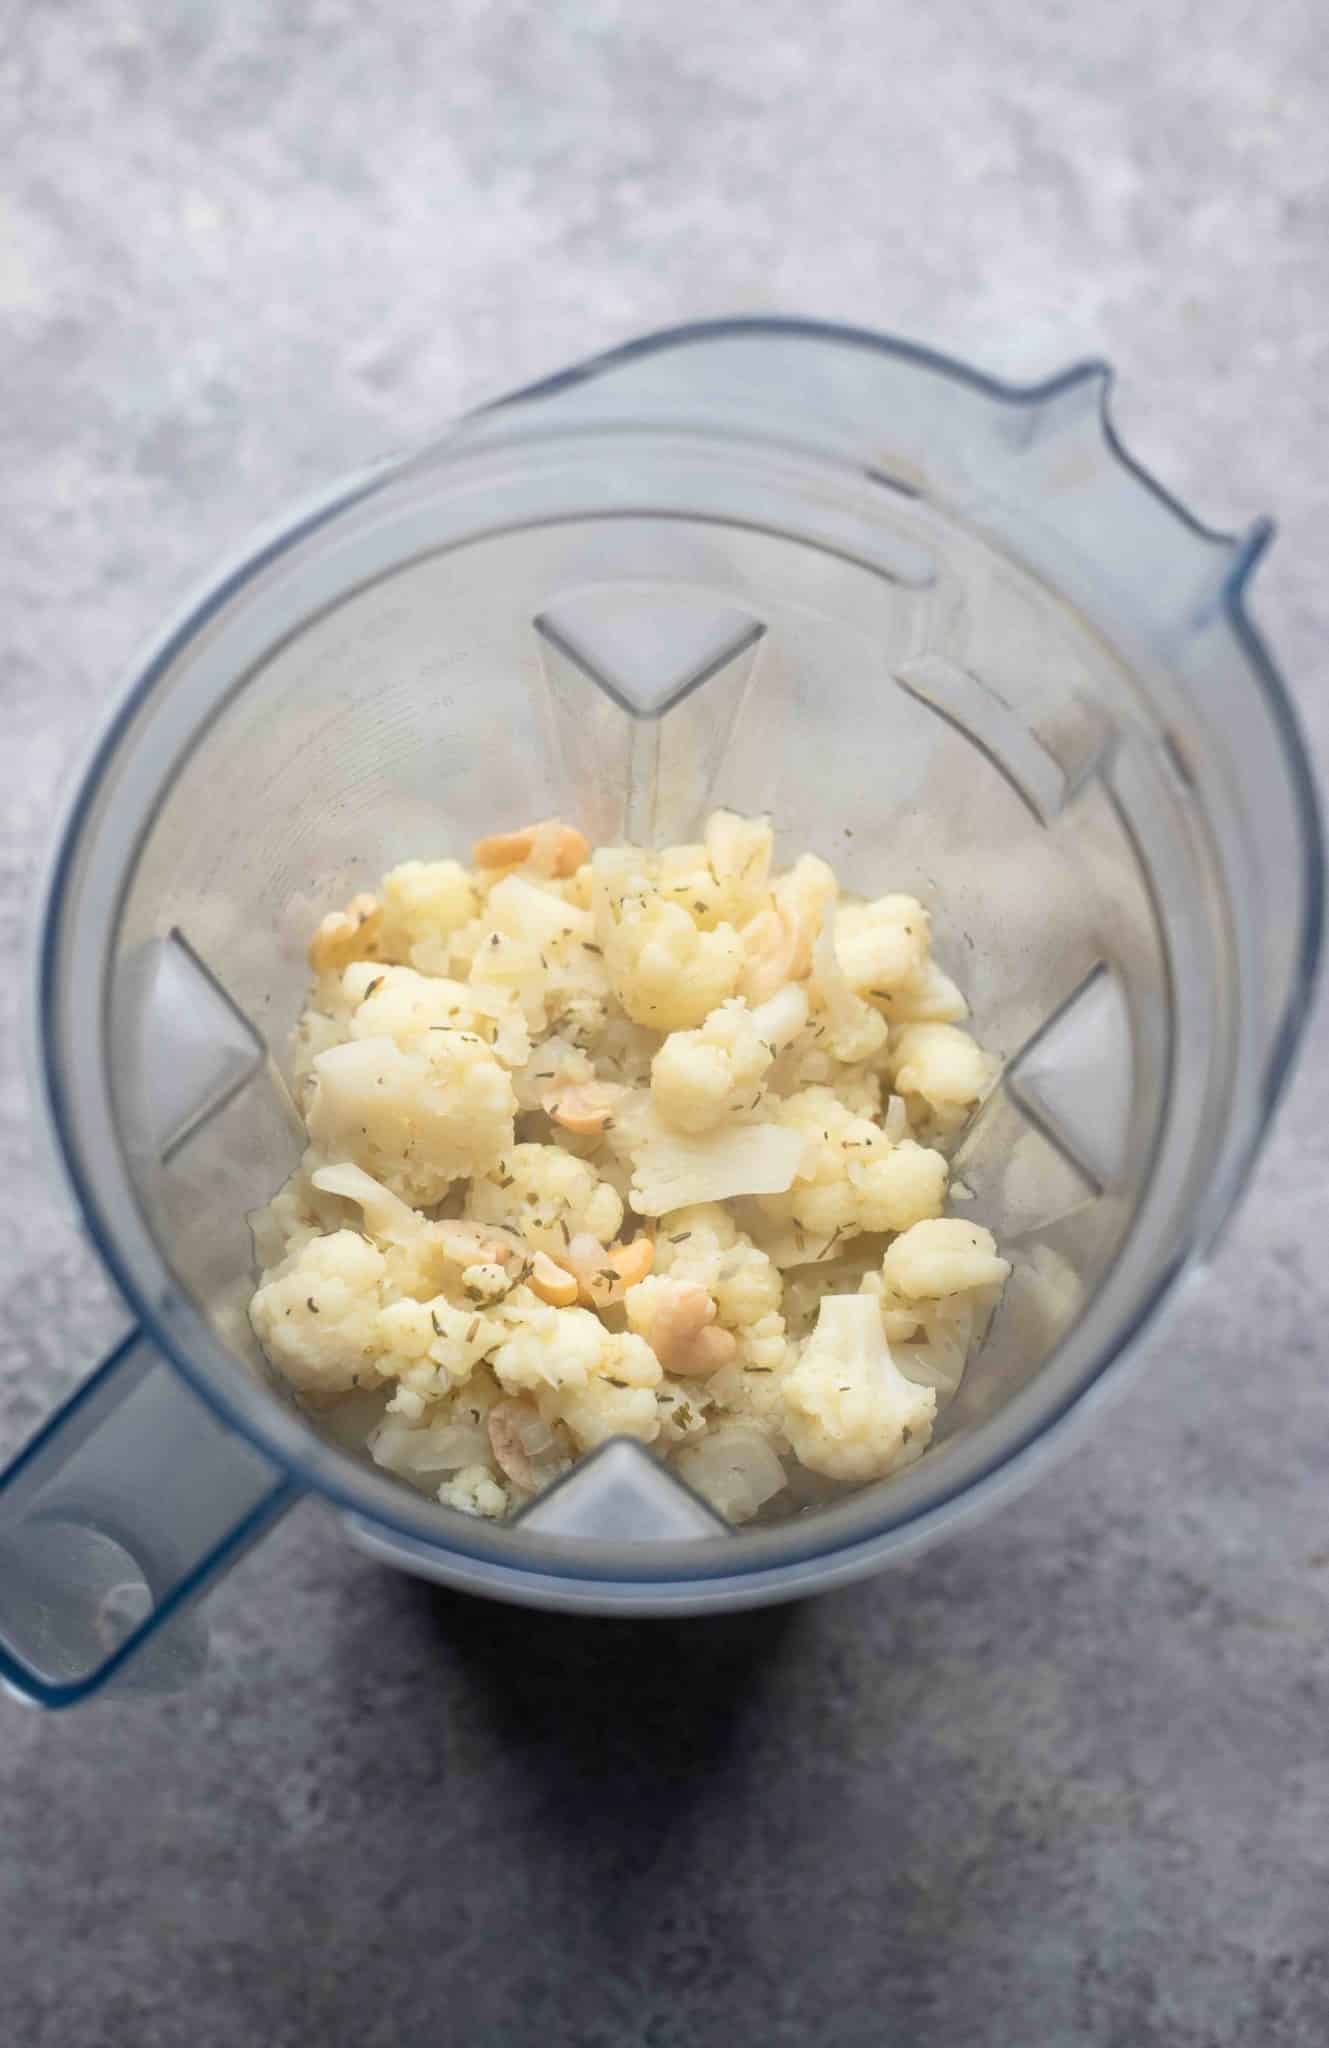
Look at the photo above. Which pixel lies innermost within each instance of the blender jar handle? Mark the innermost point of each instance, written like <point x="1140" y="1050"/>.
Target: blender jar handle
<point x="129" y="1503"/>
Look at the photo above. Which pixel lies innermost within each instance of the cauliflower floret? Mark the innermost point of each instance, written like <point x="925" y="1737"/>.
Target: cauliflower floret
<point x="521" y="909"/>
<point x="582" y="1015"/>
<point x="416" y="1118"/>
<point x="288" y="1221"/>
<point x="423" y="1256"/>
<point x="618" y="1399"/>
<point x="701" y="1078"/>
<point x="547" y="1347"/>
<point x="432" y="1346"/>
<point x="530" y="950"/>
<point x="854" y="1030"/>
<point x="853" y="1178"/>
<point x="943" y="1065"/>
<point x="475" y="1491"/>
<point x="882" y="946"/>
<point x="549" y="1196"/>
<point x="901" y="1189"/>
<point x="424" y="903"/>
<point x="931" y="997"/>
<point x="809" y="1063"/>
<point x="317" y="1315"/>
<point x="850" y="1412"/>
<point x="945" y="1255"/>
<point x="595" y="1383"/>
<point x="665" y="972"/>
<point x="396" y="1002"/>
<point x="313" y="1034"/>
<point x="726" y="880"/>
<point x="750" y="1386"/>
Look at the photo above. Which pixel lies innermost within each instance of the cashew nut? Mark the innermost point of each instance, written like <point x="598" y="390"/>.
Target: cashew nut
<point x="779" y="941"/>
<point x="566" y="848"/>
<point x="584" y="1108"/>
<point x="552" y="1282"/>
<point x="346" y="935"/>
<point x="682" y="1335"/>
<point x="604" y="1276"/>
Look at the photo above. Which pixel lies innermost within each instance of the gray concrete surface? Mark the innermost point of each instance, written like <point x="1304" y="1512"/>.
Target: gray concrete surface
<point x="1064" y="1781"/>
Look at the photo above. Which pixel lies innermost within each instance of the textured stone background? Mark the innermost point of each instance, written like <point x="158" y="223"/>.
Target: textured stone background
<point x="1065" y="1780"/>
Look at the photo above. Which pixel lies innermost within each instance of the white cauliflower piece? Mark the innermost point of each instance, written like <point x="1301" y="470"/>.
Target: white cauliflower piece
<point x="664" y="971"/>
<point x="850" y="1412"/>
<point x="548" y="1196"/>
<point x="475" y="1491"/>
<point x="945" y="1255"/>
<point x="547" y="1347"/>
<point x="315" y="1031"/>
<point x="317" y="1315"/>
<point x="423" y="1256"/>
<point x="931" y="997"/>
<point x="882" y="946"/>
<point x="415" y="1118"/>
<point x="750" y="1387"/>
<point x="433" y="1346"/>
<point x="396" y="1002"/>
<point x="727" y="879"/>
<point x="289" y="1220"/>
<point x="423" y="903"/>
<point x="617" y="1399"/>
<point x="853" y="1178"/>
<point x="521" y="909"/>
<point x="702" y="1078"/>
<point x="854" y="1030"/>
<point x="674" y="1172"/>
<point x="943" y="1065"/>
<point x="530" y="951"/>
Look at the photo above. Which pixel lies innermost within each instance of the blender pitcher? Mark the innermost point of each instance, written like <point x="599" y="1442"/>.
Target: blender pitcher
<point x="946" y="633"/>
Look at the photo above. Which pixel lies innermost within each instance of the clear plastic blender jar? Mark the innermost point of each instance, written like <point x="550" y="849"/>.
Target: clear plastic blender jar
<point x="946" y="633"/>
